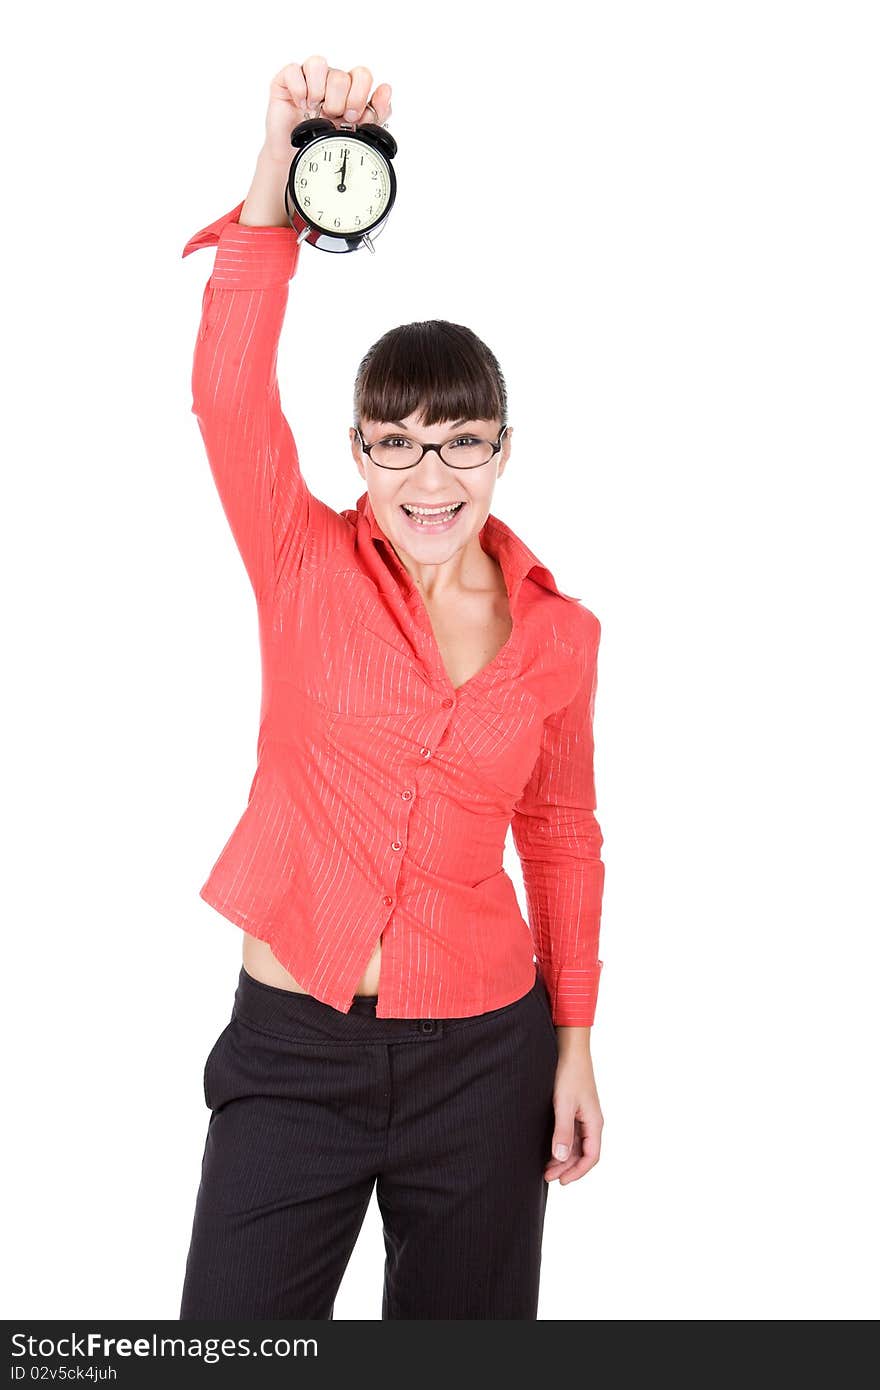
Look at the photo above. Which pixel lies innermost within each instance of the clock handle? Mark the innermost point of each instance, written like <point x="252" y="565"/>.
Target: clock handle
<point x="351" y="125"/>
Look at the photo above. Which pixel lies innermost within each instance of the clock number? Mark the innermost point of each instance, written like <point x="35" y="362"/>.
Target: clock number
<point x="374" y="174"/>
<point x="328" y="154"/>
<point x="336" y="222"/>
<point x="313" y="167"/>
<point x="307" y="202"/>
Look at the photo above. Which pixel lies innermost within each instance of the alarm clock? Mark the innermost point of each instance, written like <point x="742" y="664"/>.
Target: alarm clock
<point x="341" y="183"/>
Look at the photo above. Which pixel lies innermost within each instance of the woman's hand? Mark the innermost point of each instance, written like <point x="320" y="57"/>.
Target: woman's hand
<point x="579" y="1118"/>
<point x="296" y="94"/>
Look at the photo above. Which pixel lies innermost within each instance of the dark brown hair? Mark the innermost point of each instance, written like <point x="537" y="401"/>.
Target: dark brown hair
<point x="441" y="369"/>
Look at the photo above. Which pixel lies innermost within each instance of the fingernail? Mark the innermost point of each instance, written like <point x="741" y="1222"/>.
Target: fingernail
<point x="350" y="113"/>
<point x="561" y="1151"/>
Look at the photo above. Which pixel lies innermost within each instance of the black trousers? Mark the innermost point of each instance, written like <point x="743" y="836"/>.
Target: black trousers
<point x="450" y="1118"/>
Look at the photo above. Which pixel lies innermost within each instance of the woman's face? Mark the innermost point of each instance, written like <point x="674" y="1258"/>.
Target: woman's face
<point x="431" y="484"/>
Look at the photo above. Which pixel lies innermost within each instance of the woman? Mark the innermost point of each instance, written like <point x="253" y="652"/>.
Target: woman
<point x="426" y="686"/>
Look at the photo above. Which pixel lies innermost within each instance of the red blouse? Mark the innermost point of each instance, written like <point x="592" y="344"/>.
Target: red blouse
<point x="383" y="794"/>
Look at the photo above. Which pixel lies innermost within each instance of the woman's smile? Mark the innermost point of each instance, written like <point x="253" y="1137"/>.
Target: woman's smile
<point x="435" y="518"/>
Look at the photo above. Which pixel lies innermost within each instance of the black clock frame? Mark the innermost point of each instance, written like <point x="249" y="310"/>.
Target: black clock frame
<point x="303" y="137"/>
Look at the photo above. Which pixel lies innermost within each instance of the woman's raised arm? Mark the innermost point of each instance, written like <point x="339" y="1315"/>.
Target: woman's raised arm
<point x="271" y="512"/>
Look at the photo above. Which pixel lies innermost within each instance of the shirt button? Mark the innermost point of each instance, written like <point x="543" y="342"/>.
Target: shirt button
<point x="388" y="900"/>
<point x="447" y="704"/>
<point x="425" y="752"/>
<point x="407" y="795"/>
<point x="427" y="1025"/>
<point x="396" y="845"/>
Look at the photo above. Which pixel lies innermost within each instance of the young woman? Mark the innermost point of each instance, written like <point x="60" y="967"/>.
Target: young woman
<point x="426" y="687"/>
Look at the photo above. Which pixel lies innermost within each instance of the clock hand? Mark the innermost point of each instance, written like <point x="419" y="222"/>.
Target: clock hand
<point x="340" y="188"/>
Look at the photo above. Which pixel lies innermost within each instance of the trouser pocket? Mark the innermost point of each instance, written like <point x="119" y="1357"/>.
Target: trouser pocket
<point x="209" y="1063"/>
<point x="543" y="997"/>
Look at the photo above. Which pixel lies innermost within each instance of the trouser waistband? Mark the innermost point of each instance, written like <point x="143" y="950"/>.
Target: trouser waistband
<point x="302" y="1017"/>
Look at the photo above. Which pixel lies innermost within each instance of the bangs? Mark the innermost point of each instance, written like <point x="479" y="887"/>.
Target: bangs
<point x="440" y="369"/>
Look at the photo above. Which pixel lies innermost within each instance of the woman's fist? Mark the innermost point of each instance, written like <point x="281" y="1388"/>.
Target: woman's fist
<point x="297" y="93"/>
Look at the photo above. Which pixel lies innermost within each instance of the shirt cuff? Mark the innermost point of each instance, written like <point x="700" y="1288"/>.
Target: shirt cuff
<point x="253" y="258"/>
<point x="573" y="994"/>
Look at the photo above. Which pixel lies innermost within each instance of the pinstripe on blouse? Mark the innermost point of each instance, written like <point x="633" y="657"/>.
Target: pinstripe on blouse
<point x="383" y="794"/>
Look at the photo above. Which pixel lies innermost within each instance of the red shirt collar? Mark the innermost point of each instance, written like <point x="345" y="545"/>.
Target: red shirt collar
<point x="517" y="561"/>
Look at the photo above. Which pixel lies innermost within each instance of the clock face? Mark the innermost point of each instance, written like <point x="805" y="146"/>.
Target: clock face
<point x="342" y="185"/>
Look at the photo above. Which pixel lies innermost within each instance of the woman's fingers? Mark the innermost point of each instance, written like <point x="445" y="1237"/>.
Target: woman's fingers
<point x="358" y="95"/>
<point x="290" y="84"/>
<point x="381" y="101"/>
<point x="336" y="88"/>
<point x="316" y="87"/>
<point x="315" y="70"/>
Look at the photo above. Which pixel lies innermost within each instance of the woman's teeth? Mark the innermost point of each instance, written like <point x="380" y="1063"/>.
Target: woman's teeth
<point x="431" y="516"/>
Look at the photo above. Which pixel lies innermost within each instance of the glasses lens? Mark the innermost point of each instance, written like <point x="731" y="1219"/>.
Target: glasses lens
<point x="396" y="451"/>
<point x="466" y="452"/>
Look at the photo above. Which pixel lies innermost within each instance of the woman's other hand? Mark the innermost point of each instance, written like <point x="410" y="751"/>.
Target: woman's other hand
<point x="579" y="1118"/>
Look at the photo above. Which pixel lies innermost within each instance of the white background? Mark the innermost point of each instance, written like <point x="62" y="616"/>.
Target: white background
<point x="663" y="218"/>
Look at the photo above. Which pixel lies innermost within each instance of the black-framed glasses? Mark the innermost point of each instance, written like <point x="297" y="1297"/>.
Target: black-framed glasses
<point x="398" y="451"/>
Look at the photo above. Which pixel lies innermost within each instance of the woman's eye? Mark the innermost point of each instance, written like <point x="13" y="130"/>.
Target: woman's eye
<point x="466" y="439"/>
<point x="396" y="439"/>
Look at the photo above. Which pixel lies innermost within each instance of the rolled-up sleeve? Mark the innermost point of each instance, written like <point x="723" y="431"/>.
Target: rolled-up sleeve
<point x="558" y="841"/>
<point x="249" y="443"/>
